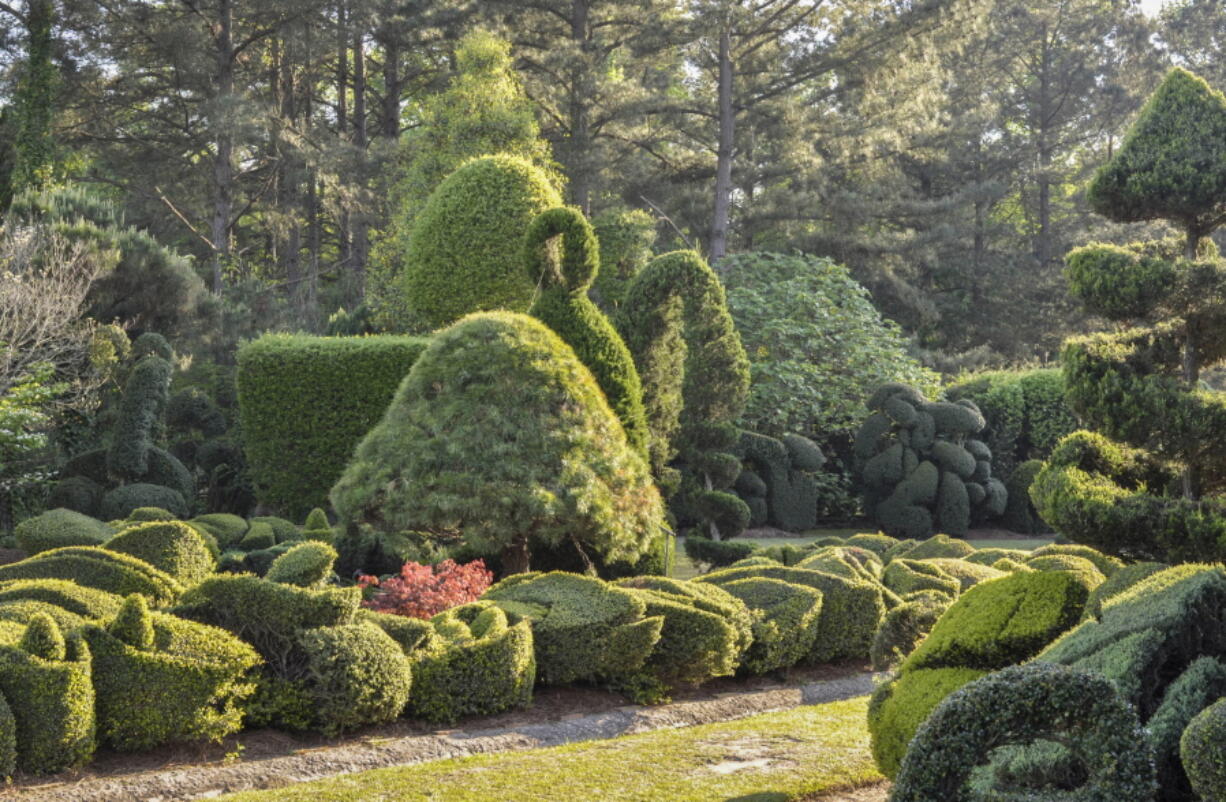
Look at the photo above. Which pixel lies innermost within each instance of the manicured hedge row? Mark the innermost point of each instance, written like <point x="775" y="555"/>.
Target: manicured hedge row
<point x="304" y="404"/>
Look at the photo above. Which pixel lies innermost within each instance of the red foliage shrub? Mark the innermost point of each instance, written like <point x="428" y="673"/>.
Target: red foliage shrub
<point x="422" y="592"/>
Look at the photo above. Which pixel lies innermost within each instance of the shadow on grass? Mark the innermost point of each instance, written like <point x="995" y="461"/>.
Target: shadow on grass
<point x="761" y="796"/>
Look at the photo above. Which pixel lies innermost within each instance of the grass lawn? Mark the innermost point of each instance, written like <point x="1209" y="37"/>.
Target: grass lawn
<point x="774" y="757"/>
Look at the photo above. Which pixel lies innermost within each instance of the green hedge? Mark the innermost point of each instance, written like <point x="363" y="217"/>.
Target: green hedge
<point x="899" y="706"/>
<point x="1117" y="583"/>
<point x="226" y="527"/>
<point x="716" y="553"/>
<point x="170" y="546"/>
<point x="120" y="502"/>
<point x="59" y="527"/>
<point x="87" y="602"/>
<point x="413" y="634"/>
<point x="582" y="628"/>
<point x="695" y="644"/>
<point x="786" y="618"/>
<point x="304" y="404"/>
<point x="1200" y="685"/>
<point x="307" y="565"/>
<point x="1105" y="563"/>
<point x="967" y="574"/>
<point x="23" y="612"/>
<point x="1202" y="750"/>
<point x="477" y="663"/>
<point x="100" y="568"/>
<point x="186" y="685"/>
<point x="903" y="628"/>
<point x="708" y="597"/>
<point x="905" y="576"/>
<point x="354" y="675"/>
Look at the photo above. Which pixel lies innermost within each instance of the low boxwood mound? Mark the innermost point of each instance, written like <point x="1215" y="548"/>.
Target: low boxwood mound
<point x="353" y="675"/>
<point x="582" y="628"/>
<point x="1069" y="563"/>
<point x="904" y="576"/>
<point x="188" y="678"/>
<point x="990" y="556"/>
<point x="23" y="612"/>
<point x="879" y="542"/>
<point x="477" y="663"/>
<point x="695" y="645"/>
<point x="60" y="527"/>
<point x="1119" y="582"/>
<point x="412" y="634"/>
<point x="100" y="568"/>
<point x="900" y="706"/>
<point x="170" y="546"/>
<point x="968" y="574"/>
<point x="226" y="527"/>
<point x="938" y="546"/>
<point x="716" y="553"/>
<point x="786" y="618"/>
<point x="851" y="609"/>
<point x="1202" y="750"/>
<point x="119" y="503"/>
<point x="282" y="529"/>
<point x="1105" y="563"/>
<point x="704" y="596"/>
<point x="903" y="628"/>
<point x="1018" y="706"/>
<point x="1202" y="684"/>
<point x="307" y="564"/>
<point x="87" y="602"/>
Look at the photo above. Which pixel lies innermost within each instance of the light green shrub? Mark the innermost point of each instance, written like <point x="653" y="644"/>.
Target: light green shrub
<point x="900" y="706"/>
<point x="306" y="564"/>
<point x="354" y="675"/>
<point x="100" y="568"/>
<point x="904" y="576"/>
<point x="170" y="546"/>
<point x="89" y="603"/>
<point x="59" y="527"/>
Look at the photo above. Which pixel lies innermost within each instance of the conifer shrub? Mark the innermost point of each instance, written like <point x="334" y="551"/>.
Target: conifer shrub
<point x="413" y="634"/>
<point x="512" y="446"/>
<point x="282" y="529"/>
<point x="354" y="675"/>
<point x="966" y="573"/>
<point x="939" y="546"/>
<point x="258" y="536"/>
<point x="1105" y="563"/>
<point x="1202" y="751"/>
<point x="305" y="403"/>
<point x="99" y="568"/>
<point x="60" y="527"/>
<point x="8" y="740"/>
<point x="562" y="277"/>
<point x="1117" y="583"/>
<point x="24" y="611"/>
<point x="786" y="468"/>
<point x="582" y="628"/>
<point x="77" y="493"/>
<point x="477" y="663"/>
<point x="170" y="546"/>
<point x="1020" y="513"/>
<point x="307" y="565"/>
<point x="989" y="556"/>
<point x="878" y="543"/>
<point x="1070" y="563"/>
<point x="1199" y="686"/>
<point x="464" y="253"/>
<point x="1019" y="706"/>
<point x="190" y="679"/>
<point x="144" y="514"/>
<point x="89" y="603"/>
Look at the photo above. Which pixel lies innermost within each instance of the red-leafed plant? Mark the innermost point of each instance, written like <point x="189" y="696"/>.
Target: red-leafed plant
<point x="421" y="591"/>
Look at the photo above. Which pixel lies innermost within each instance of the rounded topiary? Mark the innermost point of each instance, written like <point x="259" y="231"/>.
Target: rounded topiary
<point x="132" y="625"/>
<point x="1018" y="706"/>
<point x="785" y="618"/>
<point x="60" y="527"/>
<point x="464" y="254"/>
<point x="306" y="564"/>
<point x="899" y="706"/>
<point x="355" y="675"/>
<point x="171" y="546"/>
<point x="903" y="628"/>
<point x="258" y="536"/>
<point x="43" y="638"/>
<point x="226" y="527"/>
<point x="1070" y="564"/>
<point x="119" y="503"/>
<point x="78" y="493"/>
<point x="500" y="435"/>
<point x="8" y="739"/>
<point x="1202" y="749"/>
<point x="142" y="514"/>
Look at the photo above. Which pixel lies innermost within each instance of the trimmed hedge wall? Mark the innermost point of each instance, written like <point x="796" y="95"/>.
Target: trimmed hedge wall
<point x="305" y="402"/>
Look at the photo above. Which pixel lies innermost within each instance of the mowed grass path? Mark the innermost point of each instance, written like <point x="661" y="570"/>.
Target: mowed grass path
<point x="774" y="757"/>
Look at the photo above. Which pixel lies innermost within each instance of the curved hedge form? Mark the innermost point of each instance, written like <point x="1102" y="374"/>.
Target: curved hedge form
<point x="1202" y="749"/>
<point x="465" y="248"/>
<point x="119" y="503"/>
<point x="704" y="596"/>
<point x="899" y="706"/>
<point x="87" y="602"/>
<point x="354" y="675"/>
<point x="780" y="479"/>
<point x="170" y="546"/>
<point x="305" y="403"/>
<point x="1018" y="706"/>
<point x="1200" y="685"/>
<point x="1105" y="563"/>
<point x="695" y="644"/>
<point x="307" y="564"/>
<point x="1117" y="583"/>
<point x="100" y="568"/>
<point x="25" y="611"/>
<point x="786" y="617"/>
<point x="227" y="528"/>
<point x="562" y="303"/>
<point x="478" y="663"/>
<point x="902" y="629"/>
<point x="188" y="680"/>
<point x="60" y="527"/>
<point x="905" y="576"/>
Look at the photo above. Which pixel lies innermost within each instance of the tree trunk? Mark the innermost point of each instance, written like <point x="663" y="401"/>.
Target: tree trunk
<point x="392" y="86"/>
<point x="1191" y="367"/>
<point x="723" y="154"/>
<point x="515" y="557"/>
<point x="361" y="225"/>
<point x="579" y="146"/>
<point x="223" y="158"/>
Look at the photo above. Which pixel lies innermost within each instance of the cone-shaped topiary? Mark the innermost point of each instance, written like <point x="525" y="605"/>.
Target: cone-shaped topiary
<point x="499" y="434"/>
<point x="43" y="638"/>
<point x="133" y="625"/>
<point x="562" y="304"/>
<point x="464" y="254"/>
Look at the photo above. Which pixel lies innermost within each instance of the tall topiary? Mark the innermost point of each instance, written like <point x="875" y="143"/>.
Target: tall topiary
<point x="562" y="303"/>
<point x="499" y="435"/>
<point x="695" y="383"/>
<point x="922" y="469"/>
<point x="1140" y="387"/>
<point x="464" y="254"/>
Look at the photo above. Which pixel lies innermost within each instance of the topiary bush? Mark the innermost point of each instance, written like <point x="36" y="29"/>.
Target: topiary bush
<point x="1105" y="563"/>
<point x="544" y="463"/>
<point x="709" y="598"/>
<point x="60" y="527"/>
<point x="170" y="546"/>
<point x="89" y="603"/>
<point x="99" y="568"/>
<point x="562" y="276"/>
<point x="306" y="402"/>
<point x="903" y="628"/>
<point x="1200" y="685"/>
<point x="478" y="663"/>
<point x="1202" y="751"/>
<point x="966" y="573"/>
<point x="354" y="675"/>
<point x="464" y="253"/>
<point x="695" y="644"/>
<point x="76" y="493"/>
<point x="922" y="469"/>
<point x="904" y="576"/>
<point x="790" y="486"/>
<point x="879" y="543"/>
<point x="899" y="706"/>
<point x="1080" y="566"/>
<point x="119" y="503"/>
<point x="785" y="619"/>
<point x="1117" y="583"/>
<point x="228" y="529"/>
<point x="582" y="628"/>
<point x="1020" y="512"/>
<point x="306" y="564"/>
<point x="1021" y="705"/>
<point x="716" y="553"/>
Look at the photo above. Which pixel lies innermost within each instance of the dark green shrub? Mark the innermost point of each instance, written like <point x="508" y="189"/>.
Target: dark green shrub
<point x="170" y="546"/>
<point x="8" y="740"/>
<point x="188" y="678"/>
<point x="60" y="527"/>
<point x="140" y="414"/>
<point x="119" y="503"/>
<point x="626" y="237"/>
<point x="282" y="529"/>
<point x="1202" y="750"/>
<point x="1017" y="707"/>
<point x="1117" y="583"/>
<point x="899" y="706"/>
<point x="144" y="514"/>
<point x="791" y="492"/>
<point x="708" y="597"/>
<point x="227" y="528"/>
<point x="52" y="702"/>
<point x="76" y="493"/>
<point x="464" y="254"/>
<point x="695" y="644"/>
<point x="305" y="564"/>
<point x="903" y="628"/>
<point x="316" y="521"/>
<point x="1020" y="513"/>
<point x="905" y="576"/>
<point x="258" y="536"/>
<point x="476" y="664"/>
<point x="562" y="277"/>
<point x="785" y="621"/>
<point x="87" y="602"/>
<point x="99" y="568"/>
<point x="1202" y="684"/>
<point x="513" y="446"/>
<point x="354" y="675"/>
<point x="851" y="609"/>
<point x="582" y="628"/>
<point x="922" y="468"/>
<point x="305" y="402"/>
<point x="716" y="553"/>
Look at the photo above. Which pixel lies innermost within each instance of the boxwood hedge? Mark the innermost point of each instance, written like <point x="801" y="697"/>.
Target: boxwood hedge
<point x="99" y="568"/>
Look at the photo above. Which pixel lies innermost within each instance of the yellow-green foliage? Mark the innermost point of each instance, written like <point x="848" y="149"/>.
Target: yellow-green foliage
<point x="1202" y="750"/>
<point x="879" y="542"/>
<point x="171" y="546"/>
<point x="53" y="705"/>
<point x="903" y="628"/>
<point x="500" y="434"/>
<point x="43" y="638"/>
<point x="132" y="625"/>
<point x="901" y="705"/>
<point x="905" y="576"/>
<point x="1117" y="583"/>
<point x="354" y="675"/>
<point x="967" y="573"/>
<point x="178" y="681"/>
<point x="307" y="564"/>
<point x="259" y="536"/>
<point x="1069" y="563"/>
<point x="87" y="602"/>
<point x="304" y="403"/>
<point x="582" y="628"/>
<point x="785" y="621"/>
<point x="989" y="556"/>
<point x="226" y="527"/>
<point x="694" y="644"/>
<point x="1105" y="563"/>
<point x="8" y="740"/>
<point x="476" y="663"/>
<point x="413" y="634"/>
<point x="851" y="609"/>
<point x="704" y="596"/>
<point x="23" y="612"/>
<point x="60" y="527"/>
<point x="99" y="568"/>
<point x="939" y="546"/>
<point x="464" y="253"/>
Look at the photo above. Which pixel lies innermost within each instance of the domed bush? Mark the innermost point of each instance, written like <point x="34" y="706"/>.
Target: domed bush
<point x="905" y="576"/>
<point x="900" y="706"/>
<point x="60" y="527"/>
<point x="1202" y="749"/>
<point x="226" y="527"/>
<point x="695" y="644"/>
<point x="785" y="621"/>
<point x="704" y="596"/>
<point x="966" y="573"/>
<point x="501" y="435"/>
<point x="87" y="602"/>
<point x="119" y="503"/>
<point x="77" y="493"/>
<point x="940" y="546"/>
<point x="171" y="546"/>
<point x="464" y="253"/>
<point x="1068" y="563"/>
<point x="354" y="675"/>
<point x="1105" y="563"/>
<point x="903" y="628"/>
<point x="879" y="542"/>
<point x="306" y="564"/>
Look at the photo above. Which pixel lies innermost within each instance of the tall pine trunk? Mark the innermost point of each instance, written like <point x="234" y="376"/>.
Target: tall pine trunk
<point x="723" y="155"/>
